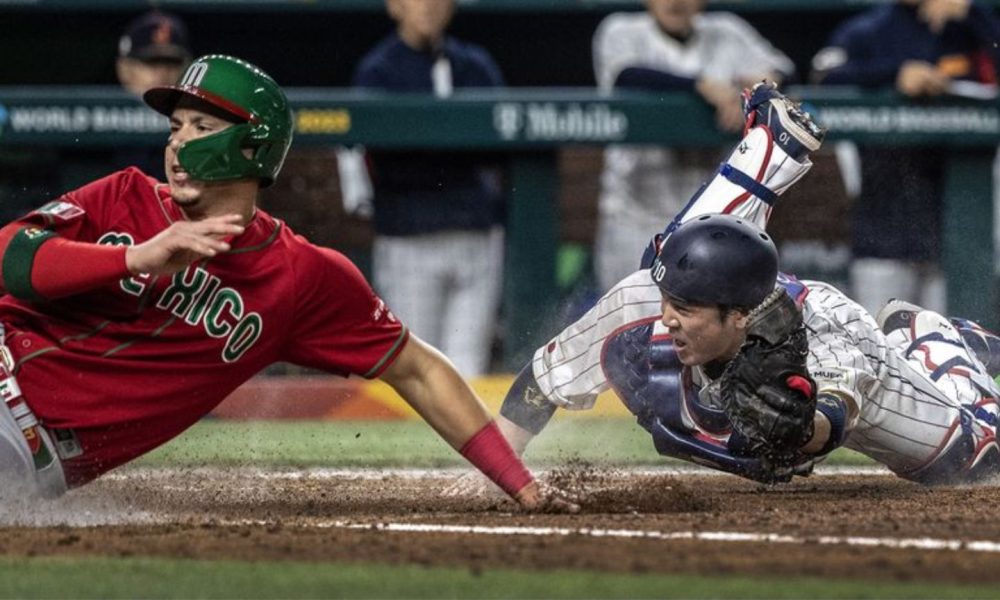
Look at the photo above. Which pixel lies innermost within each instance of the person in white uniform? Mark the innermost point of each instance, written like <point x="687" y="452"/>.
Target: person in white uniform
<point x="911" y="388"/>
<point x="673" y="46"/>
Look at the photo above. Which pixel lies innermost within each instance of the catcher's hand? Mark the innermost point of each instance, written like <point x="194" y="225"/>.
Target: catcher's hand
<point x="766" y="389"/>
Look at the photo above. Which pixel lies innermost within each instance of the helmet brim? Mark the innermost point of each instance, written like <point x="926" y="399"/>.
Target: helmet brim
<point x="164" y="100"/>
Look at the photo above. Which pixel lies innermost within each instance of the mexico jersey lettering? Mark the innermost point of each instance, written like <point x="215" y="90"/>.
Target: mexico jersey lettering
<point x="200" y="299"/>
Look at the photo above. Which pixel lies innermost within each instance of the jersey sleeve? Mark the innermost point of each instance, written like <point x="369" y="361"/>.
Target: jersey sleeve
<point x="340" y="324"/>
<point x="568" y="369"/>
<point x="51" y="251"/>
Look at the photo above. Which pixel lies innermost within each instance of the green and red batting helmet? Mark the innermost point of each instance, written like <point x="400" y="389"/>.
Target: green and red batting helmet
<point x="257" y="104"/>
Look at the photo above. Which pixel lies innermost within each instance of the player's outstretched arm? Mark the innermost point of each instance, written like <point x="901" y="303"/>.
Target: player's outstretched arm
<point x="40" y="264"/>
<point x="524" y="413"/>
<point x="181" y="244"/>
<point x="429" y="383"/>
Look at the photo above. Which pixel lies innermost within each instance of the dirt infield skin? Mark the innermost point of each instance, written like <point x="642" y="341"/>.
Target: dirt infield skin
<point x="250" y="515"/>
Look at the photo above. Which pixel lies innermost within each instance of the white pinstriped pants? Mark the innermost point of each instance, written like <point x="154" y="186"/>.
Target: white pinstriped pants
<point x="445" y="286"/>
<point x="923" y="406"/>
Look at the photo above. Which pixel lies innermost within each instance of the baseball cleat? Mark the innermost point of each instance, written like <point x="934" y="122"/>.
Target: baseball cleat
<point x="793" y="128"/>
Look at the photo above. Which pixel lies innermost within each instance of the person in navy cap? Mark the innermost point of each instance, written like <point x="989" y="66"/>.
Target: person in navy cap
<point x="153" y="52"/>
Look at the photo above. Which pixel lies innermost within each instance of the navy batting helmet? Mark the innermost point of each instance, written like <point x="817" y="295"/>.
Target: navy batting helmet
<point x="717" y="259"/>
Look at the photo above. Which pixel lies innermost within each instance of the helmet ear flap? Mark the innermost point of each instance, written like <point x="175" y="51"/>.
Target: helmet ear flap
<point x="266" y="150"/>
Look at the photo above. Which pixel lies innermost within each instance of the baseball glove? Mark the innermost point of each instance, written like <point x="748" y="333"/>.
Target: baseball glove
<point x="766" y="389"/>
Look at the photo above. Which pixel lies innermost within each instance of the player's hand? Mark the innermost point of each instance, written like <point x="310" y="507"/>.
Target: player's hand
<point x="937" y="13"/>
<point x="542" y="497"/>
<point x="474" y="486"/>
<point x="919" y="78"/>
<point x="181" y="244"/>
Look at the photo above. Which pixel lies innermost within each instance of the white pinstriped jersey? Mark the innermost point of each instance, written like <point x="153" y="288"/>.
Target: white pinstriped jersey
<point x="902" y="419"/>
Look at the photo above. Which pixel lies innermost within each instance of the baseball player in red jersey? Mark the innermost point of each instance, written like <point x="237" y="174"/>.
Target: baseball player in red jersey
<point x="131" y="308"/>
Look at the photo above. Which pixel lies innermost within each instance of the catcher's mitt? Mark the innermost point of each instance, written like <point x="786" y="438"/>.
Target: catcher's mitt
<point x="766" y="389"/>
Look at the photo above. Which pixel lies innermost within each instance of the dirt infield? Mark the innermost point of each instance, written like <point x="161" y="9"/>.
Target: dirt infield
<point x="860" y="525"/>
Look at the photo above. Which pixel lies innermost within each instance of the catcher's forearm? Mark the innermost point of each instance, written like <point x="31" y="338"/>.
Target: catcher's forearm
<point x="526" y="406"/>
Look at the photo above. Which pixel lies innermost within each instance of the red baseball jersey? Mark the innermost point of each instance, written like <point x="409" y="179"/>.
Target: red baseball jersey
<point x="129" y="366"/>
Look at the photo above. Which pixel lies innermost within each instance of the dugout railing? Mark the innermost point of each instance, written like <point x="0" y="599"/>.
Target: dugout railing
<point x="531" y="124"/>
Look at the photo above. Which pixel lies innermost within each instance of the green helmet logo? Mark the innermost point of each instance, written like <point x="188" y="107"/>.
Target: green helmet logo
<point x="252" y="97"/>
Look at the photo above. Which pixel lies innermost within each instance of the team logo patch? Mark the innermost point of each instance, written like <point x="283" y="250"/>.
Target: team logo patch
<point x="61" y="210"/>
<point x="33" y="233"/>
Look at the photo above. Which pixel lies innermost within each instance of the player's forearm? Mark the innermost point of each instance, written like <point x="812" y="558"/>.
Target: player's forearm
<point x="525" y="410"/>
<point x="36" y="264"/>
<point x="442" y="398"/>
<point x="430" y="384"/>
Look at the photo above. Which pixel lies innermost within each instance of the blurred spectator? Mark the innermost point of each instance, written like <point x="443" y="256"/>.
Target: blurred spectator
<point x="920" y="48"/>
<point x="672" y="47"/>
<point x="438" y="216"/>
<point x="153" y="51"/>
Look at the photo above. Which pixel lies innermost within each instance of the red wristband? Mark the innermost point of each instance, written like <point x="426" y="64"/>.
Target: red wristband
<point x="489" y="452"/>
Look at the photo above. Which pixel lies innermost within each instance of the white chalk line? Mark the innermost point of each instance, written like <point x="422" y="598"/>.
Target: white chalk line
<point x="707" y="536"/>
<point x="322" y="473"/>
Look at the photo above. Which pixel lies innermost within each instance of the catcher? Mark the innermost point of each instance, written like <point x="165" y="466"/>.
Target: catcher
<point x="728" y="363"/>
